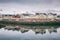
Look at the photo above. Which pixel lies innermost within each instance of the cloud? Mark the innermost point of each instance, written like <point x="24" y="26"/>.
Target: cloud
<point x="33" y="2"/>
<point x="30" y="5"/>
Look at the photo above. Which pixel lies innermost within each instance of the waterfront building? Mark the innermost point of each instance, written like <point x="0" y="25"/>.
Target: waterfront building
<point x="52" y="17"/>
<point x="28" y="17"/>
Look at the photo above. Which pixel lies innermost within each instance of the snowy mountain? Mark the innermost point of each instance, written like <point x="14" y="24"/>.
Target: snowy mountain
<point x="8" y="11"/>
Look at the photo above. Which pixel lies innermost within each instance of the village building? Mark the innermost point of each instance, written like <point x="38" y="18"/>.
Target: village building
<point x="27" y="17"/>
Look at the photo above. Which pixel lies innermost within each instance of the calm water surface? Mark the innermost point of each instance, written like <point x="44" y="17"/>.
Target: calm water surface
<point x="29" y="33"/>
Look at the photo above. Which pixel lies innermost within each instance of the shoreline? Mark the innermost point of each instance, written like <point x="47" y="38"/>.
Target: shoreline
<point x="30" y="23"/>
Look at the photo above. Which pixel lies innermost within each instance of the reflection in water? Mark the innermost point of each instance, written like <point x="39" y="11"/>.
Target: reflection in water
<point x="30" y="32"/>
<point x="36" y="29"/>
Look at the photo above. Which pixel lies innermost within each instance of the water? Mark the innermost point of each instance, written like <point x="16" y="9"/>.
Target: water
<point x="29" y="33"/>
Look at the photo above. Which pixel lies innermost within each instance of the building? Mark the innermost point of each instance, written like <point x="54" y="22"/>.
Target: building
<point x="27" y="17"/>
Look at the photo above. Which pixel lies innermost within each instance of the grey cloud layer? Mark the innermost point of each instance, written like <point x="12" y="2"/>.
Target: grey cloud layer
<point x="32" y="1"/>
<point x="30" y="5"/>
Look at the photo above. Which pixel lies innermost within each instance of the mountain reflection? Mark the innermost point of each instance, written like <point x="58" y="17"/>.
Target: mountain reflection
<point x="36" y="29"/>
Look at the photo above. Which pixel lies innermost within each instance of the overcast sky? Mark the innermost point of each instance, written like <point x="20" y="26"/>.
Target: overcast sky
<point x="29" y="5"/>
